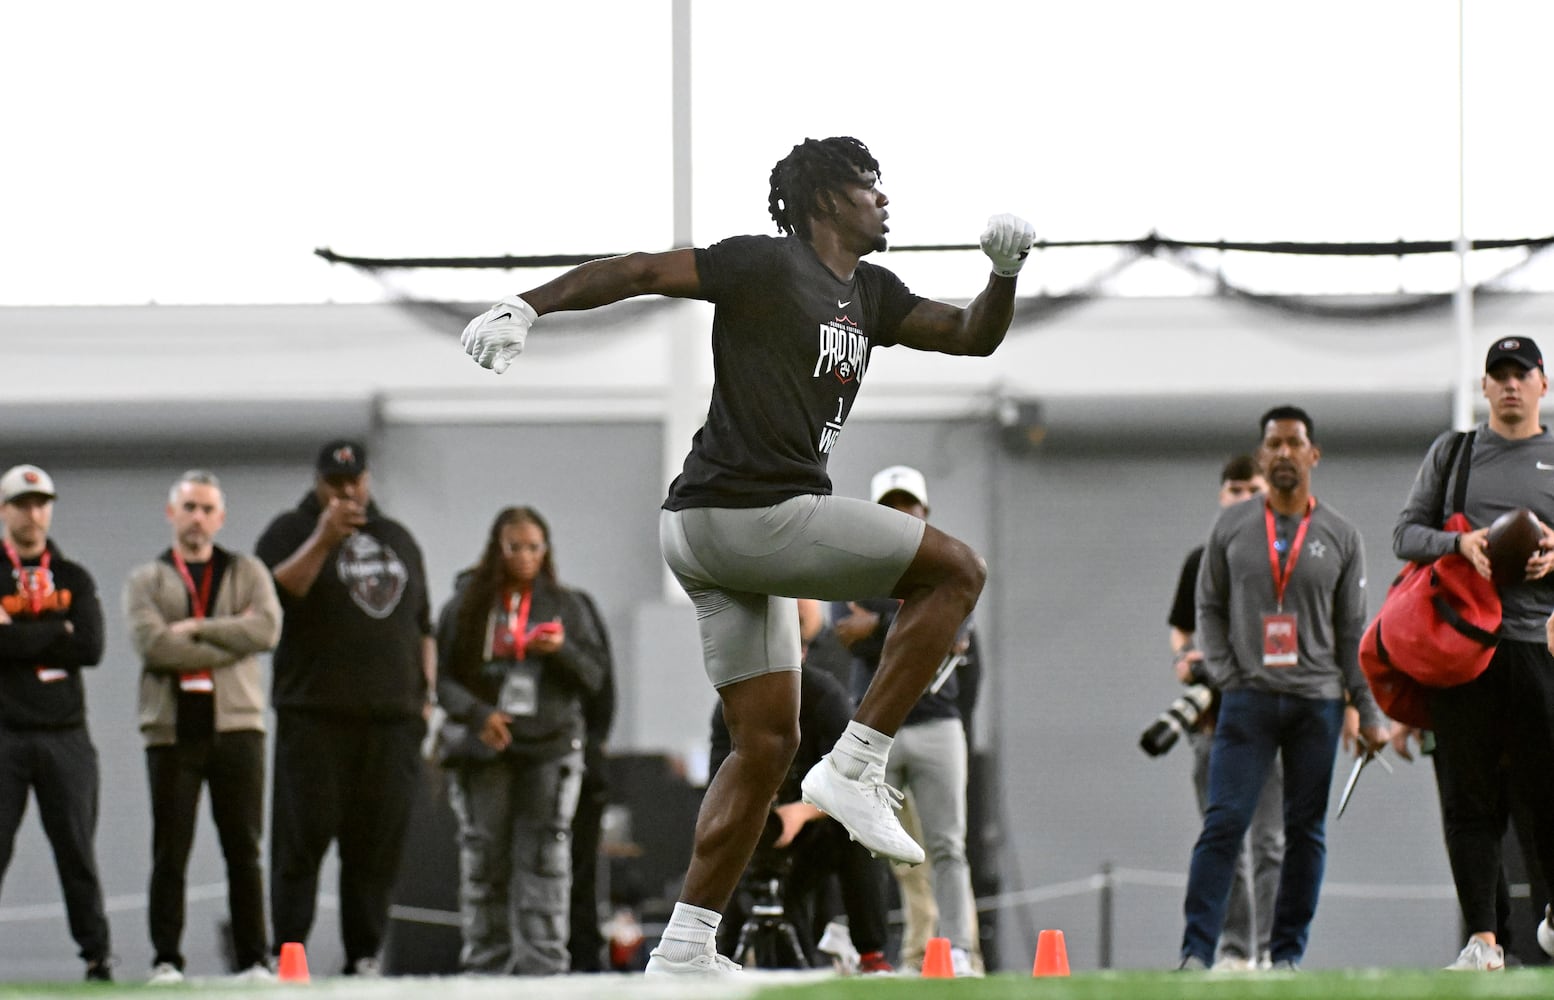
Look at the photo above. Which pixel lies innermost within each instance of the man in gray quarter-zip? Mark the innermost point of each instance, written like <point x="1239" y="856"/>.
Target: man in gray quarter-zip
<point x="1281" y="607"/>
<point x="1508" y="711"/>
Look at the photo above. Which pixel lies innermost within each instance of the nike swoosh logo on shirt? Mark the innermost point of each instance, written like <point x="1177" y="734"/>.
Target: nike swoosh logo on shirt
<point x="1544" y="466"/>
<point x="843" y="305"/>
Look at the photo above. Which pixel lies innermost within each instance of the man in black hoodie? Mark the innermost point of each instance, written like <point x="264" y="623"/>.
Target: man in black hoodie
<point x="51" y="625"/>
<point x="352" y="675"/>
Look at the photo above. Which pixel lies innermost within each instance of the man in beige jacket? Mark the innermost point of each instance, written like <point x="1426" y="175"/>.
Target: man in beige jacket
<point x="199" y="617"/>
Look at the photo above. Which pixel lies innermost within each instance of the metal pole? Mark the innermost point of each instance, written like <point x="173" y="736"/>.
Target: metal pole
<point x="1462" y="298"/>
<point x="684" y="404"/>
<point x="681" y="128"/>
<point x="1107" y="884"/>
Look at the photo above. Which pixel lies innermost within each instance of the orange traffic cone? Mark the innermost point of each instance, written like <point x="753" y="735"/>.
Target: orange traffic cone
<point x="936" y="959"/>
<point x="294" y="963"/>
<point x="1051" y="955"/>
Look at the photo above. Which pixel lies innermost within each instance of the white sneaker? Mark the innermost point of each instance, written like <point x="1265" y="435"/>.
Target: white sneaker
<point x="961" y="965"/>
<point x="1546" y="931"/>
<point x="708" y="963"/>
<point x="164" y="974"/>
<point x="1479" y="957"/>
<point x="1234" y="963"/>
<point x="866" y="806"/>
<point x="367" y="968"/>
<point x="837" y="941"/>
<point x="256" y="973"/>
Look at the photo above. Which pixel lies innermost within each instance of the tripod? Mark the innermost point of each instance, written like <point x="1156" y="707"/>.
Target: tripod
<point x="767" y="940"/>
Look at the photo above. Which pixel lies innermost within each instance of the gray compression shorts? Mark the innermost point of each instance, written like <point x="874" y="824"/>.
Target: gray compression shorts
<point x="745" y="568"/>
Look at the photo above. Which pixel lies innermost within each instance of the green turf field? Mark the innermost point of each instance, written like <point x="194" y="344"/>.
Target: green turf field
<point x="1357" y="985"/>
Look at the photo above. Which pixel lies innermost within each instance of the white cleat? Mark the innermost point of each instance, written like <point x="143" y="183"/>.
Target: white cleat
<point x="165" y="974"/>
<point x="708" y="963"/>
<point x="961" y="964"/>
<point x="837" y="941"/>
<point x="256" y="973"/>
<point x="866" y="806"/>
<point x="1479" y="957"/>
<point x="1546" y="931"/>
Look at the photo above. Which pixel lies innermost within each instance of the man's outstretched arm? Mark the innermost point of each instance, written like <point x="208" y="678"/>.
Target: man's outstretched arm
<point x="979" y="328"/>
<point x="496" y="337"/>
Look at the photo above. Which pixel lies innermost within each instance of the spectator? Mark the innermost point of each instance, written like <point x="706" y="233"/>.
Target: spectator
<point x="202" y="710"/>
<point x="352" y="677"/>
<point x="1281" y="607"/>
<point x="521" y="654"/>
<point x="51" y="625"/>
<point x="1243" y="944"/>
<point x="586" y="944"/>
<point x="1494" y="736"/>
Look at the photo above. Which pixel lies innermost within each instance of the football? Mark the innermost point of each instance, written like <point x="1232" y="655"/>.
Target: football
<point x="1513" y="539"/>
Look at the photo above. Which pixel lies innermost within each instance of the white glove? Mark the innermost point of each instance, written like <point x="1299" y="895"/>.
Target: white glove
<point x="1006" y="241"/>
<point x="495" y="337"/>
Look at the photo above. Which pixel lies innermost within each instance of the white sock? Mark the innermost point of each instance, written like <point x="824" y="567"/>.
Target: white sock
<point x="858" y="748"/>
<point x="689" y="933"/>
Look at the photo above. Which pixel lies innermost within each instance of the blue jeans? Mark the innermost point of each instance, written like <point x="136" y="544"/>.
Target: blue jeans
<point x="1253" y="727"/>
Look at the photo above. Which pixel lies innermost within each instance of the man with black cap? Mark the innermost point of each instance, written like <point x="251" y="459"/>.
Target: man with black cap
<point x="51" y="625"/>
<point x="352" y="674"/>
<point x="1507" y="713"/>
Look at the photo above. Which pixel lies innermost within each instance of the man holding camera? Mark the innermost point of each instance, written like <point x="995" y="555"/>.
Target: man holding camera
<point x="1281" y="608"/>
<point x="1243" y="942"/>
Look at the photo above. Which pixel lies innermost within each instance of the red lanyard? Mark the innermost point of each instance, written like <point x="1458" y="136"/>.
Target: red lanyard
<point x="26" y="583"/>
<point x="198" y="598"/>
<point x="518" y="620"/>
<point x="1282" y="580"/>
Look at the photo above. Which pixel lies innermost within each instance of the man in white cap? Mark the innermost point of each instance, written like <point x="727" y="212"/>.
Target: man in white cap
<point x="51" y="625"/>
<point x="929" y="758"/>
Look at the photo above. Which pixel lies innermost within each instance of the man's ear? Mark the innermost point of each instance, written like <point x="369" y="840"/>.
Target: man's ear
<point x="825" y="202"/>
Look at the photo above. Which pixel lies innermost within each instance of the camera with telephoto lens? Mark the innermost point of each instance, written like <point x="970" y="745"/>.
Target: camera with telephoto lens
<point x="1181" y="716"/>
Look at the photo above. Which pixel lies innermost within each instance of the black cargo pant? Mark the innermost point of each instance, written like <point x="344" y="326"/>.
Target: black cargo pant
<point x="59" y="766"/>
<point x="351" y="780"/>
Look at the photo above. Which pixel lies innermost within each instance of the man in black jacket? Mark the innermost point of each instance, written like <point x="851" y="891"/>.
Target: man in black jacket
<point x="51" y="625"/>
<point x="352" y="676"/>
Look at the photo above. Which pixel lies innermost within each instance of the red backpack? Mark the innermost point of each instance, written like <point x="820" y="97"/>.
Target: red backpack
<point x="1438" y="625"/>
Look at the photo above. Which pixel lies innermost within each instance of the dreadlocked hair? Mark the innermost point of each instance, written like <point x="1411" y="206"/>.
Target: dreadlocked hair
<point x="814" y="165"/>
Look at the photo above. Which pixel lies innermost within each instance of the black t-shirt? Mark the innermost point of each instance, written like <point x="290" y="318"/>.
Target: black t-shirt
<point x="1184" y="608"/>
<point x="197" y="709"/>
<point x="790" y="346"/>
<point x="353" y="645"/>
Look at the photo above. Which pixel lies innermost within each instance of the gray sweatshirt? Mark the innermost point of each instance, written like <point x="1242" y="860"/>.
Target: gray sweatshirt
<point x="1326" y="593"/>
<point x="1503" y="476"/>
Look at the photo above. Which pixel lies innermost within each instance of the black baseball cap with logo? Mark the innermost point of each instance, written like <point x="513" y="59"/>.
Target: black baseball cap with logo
<point x="342" y="457"/>
<point x="1518" y="349"/>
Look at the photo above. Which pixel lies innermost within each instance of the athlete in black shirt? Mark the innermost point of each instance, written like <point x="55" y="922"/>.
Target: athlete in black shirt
<point x="750" y="524"/>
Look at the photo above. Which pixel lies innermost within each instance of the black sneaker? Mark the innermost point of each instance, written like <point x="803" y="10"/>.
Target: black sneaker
<point x="99" y="970"/>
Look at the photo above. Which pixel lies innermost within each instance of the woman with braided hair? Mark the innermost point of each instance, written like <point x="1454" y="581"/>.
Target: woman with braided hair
<point x="751" y="524"/>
